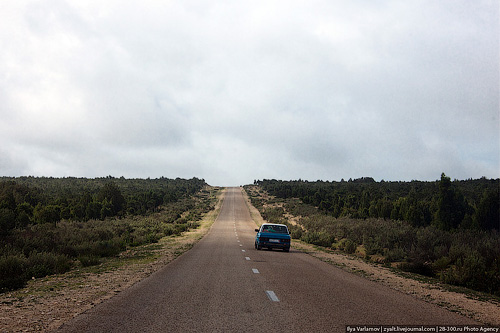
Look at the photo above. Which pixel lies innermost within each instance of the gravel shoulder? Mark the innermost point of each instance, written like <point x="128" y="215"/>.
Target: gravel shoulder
<point x="46" y="303"/>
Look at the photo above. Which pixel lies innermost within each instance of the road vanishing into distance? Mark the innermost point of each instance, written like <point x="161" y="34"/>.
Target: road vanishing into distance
<point x="223" y="284"/>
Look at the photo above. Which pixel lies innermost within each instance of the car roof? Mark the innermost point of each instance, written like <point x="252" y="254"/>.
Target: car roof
<point x="284" y="225"/>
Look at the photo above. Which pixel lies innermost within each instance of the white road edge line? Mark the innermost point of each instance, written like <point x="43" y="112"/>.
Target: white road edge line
<point x="272" y="296"/>
<point x="255" y="270"/>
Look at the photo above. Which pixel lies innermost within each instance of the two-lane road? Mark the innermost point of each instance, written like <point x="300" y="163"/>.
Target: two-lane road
<point x="223" y="284"/>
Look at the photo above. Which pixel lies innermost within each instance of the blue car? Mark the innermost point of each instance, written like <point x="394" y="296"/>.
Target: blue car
<point x="273" y="236"/>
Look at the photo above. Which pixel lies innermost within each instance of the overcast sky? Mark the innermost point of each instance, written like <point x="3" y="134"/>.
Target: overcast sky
<point x="232" y="91"/>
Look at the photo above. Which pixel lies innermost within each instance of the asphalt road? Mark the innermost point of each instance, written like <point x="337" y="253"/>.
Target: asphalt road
<point x="224" y="285"/>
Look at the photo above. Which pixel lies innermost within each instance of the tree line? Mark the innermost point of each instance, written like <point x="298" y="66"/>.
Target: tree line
<point x="38" y="200"/>
<point x="445" y="204"/>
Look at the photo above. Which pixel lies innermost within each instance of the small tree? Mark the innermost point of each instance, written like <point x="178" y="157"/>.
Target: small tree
<point x="7" y="220"/>
<point x="488" y="211"/>
<point x="93" y="210"/>
<point x="111" y="192"/>
<point x="47" y="214"/>
<point x="451" y="205"/>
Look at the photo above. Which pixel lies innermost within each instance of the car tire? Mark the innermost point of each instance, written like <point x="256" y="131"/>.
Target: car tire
<point x="286" y="249"/>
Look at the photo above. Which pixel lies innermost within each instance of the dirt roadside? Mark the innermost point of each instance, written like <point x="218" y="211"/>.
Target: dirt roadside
<point x="46" y="303"/>
<point x="478" y="306"/>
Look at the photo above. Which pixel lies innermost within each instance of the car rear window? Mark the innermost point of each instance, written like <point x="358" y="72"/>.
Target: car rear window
<point x="279" y="229"/>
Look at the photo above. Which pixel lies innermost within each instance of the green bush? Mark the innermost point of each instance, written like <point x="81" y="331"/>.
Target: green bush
<point x="418" y="267"/>
<point x="7" y="220"/>
<point x="441" y="264"/>
<point x="295" y="231"/>
<point x="347" y="245"/>
<point x="395" y="254"/>
<point x="273" y="214"/>
<point x="12" y="269"/>
<point x="17" y="269"/>
<point x="372" y="245"/>
<point x="318" y="238"/>
<point x="40" y="264"/>
<point x="89" y="260"/>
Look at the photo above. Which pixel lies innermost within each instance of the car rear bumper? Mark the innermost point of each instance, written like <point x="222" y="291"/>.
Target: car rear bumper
<point x="268" y="244"/>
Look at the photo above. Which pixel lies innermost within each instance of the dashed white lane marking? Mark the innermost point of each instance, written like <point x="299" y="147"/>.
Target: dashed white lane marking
<point x="238" y="240"/>
<point x="247" y="258"/>
<point x="255" y="270"/>
<point x="243" y="251"/>
<point x="272" y="296"/>
<point x="241" y="245"/>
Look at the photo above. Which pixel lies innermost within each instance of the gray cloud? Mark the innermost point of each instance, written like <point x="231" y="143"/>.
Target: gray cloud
<point x="231" y="92"/>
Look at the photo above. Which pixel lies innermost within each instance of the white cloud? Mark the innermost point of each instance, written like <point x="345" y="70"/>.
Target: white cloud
<point x="231" y="91"/>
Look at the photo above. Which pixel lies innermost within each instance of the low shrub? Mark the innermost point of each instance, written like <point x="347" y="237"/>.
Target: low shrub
<point x="273" y="214"/>
<point x="418" y="267"/>
<point x="12" y="268"/>
<point x="17" y="269"/>
<point x="441" y="264"/>
<point x="347" y="245"/>
<point x="89" y="260"/>
<point x="469" y="271"/>
<point x="40" y="264"/>
<point x="318" y="238"/>
<point x="394" y="255"/>
<point x="295" y="231"/>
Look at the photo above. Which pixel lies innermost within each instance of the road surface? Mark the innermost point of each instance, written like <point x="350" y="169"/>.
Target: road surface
<point x="224" y="285"/>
